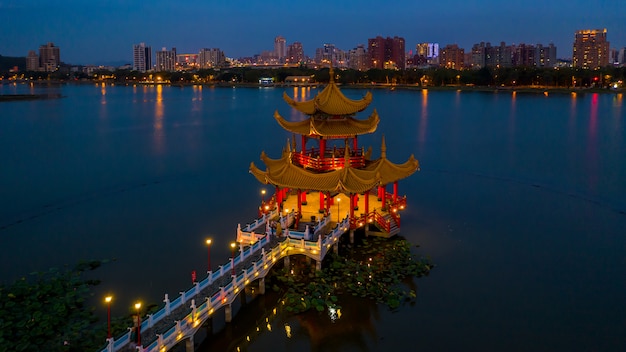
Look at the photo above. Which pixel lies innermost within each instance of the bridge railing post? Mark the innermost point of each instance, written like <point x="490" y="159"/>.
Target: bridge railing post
<point x="210" y="276"/>
<point x="167" y="305"/>
<point x="110" y="344"/>
<point x="150" y="322"/>
<point x="178" y="329"/>
<point x="193" y="310"/>
<point x="182" y="297"/>
<point x="160" y="341"/>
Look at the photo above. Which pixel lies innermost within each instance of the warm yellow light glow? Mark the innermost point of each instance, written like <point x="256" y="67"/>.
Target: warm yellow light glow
<point x="108" y="299"/>
<point x="288" y="330"/>
<point x="233" y="245"/>
<point x="137" y="305"/>
<point x="208" y="242"/>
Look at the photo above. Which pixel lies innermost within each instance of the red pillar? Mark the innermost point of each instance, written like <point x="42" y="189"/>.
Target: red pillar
<point x="354" y="144"/>
<point x="383" y="196"/>
<point x="279" y="197"/>
<point x="395" y="191"/>
<point x="303" y="198"/>
<point x="355" y="204"/>
<point x="322" y="147"/>
<point x="303" y="149"/>
<point x="299" y="208"/>
<point x="367" y="202"/>
<point x="352" y="206"/>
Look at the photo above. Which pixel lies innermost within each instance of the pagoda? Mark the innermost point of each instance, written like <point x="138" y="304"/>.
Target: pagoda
<point x="330" y="163"/>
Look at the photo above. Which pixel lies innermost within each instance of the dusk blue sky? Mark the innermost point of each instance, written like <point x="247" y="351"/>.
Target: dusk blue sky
<point x="104" y="31"/>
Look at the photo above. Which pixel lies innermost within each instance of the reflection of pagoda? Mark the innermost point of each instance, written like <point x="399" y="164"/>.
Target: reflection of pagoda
<point x="334" y="169"/>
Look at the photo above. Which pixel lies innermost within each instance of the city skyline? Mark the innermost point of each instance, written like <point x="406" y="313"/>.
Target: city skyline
<point x="100" y="32"/>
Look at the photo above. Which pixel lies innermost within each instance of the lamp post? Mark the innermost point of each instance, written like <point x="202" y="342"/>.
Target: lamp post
<point x="232" y="259"/>
<point x="263" y="196"/>
<point x="108" y="300"/>
<point x="208" y="243"/>
<point x="137" y="307"/>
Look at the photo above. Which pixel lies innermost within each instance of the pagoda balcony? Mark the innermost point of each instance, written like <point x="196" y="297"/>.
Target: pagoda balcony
<point x="331" y="159"/>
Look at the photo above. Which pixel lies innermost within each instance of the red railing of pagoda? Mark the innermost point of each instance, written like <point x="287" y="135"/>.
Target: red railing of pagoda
<point x="267" y="206"/>
<point x="331" y="160"/>
<point x="371" y="217"/>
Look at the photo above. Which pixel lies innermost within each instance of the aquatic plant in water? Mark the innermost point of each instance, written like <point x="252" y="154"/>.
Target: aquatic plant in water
<point x="374" y="269"/>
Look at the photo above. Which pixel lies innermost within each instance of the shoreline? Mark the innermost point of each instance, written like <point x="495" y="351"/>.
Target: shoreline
<point x="23" y="97"/>
<point x="464" y="88"/>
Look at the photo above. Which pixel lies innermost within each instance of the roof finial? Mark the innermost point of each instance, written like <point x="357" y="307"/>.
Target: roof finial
<point x="331" y="72"/>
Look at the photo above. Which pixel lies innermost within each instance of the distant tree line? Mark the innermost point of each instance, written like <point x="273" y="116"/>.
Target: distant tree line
<point x="509" y="77"/>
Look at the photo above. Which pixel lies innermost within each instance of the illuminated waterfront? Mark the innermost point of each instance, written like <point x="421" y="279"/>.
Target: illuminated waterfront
<point x="519" y="201"/>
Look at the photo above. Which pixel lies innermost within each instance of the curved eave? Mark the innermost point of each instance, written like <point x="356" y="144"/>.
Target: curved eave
<point x="282" y="173"/>
<point x="330" y="127"/>
<point x="306" y="107"/>
<point x="330" y="101"/>
<point x="299" y="127"/>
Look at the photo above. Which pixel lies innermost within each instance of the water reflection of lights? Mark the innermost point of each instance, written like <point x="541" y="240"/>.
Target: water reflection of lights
<point x="424" y="118"/>
<point x="288" y="330"/>
<point x="334" y="314"/>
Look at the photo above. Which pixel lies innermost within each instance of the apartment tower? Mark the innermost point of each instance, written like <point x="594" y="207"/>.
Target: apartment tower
<point x="591" y="49"/>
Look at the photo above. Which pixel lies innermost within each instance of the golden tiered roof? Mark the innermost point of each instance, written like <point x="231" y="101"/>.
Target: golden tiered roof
<point x="330" y="127"/>
<point x="330" y="101"/>
<point x="330" y="114"/>
<point x="282" y="173"/>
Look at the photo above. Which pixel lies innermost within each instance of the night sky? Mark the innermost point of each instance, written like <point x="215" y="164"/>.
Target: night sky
<point x="104" y="31"/>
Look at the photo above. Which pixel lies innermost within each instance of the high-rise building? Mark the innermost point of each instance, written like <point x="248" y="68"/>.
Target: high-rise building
<point x="213" y="57"/>
<point x="591" y="49"/>
<point x="49" y="57"/>
<point x="478" y="56"/>
<point x="386" y="52"/>
<point x="166" y="60"/>
<point x="427" y="50"/>
<point x="376" y="52"/>
<point x="451" y="56"/>
<point x="295" y="53"/>
<point x="545" y="56"/>
<point x="142" y="57"/>
<point x="187" y="61"/>
<point x="280" y="48"/>
<point x="329" y="53"/>
<point x="357" y="58"/>
<point x="32" y="61"/>
<point x="524" y="55"/>
<point x="621" y="56"/>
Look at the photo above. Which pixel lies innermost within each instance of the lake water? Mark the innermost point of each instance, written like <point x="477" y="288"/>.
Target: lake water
<point x="520" y="202"/>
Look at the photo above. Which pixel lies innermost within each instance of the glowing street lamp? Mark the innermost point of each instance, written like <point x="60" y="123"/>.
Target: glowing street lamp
<point x="137" y="307"/>
<point x="263" y="195"/>
<point x="232" y="259"/>
<point x="108" y="300"/>
<point x="208" y="243"/>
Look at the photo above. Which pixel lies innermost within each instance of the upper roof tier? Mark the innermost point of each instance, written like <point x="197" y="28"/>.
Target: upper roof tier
<point x="330" y="101"/>
<point x="330" y="127"/>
